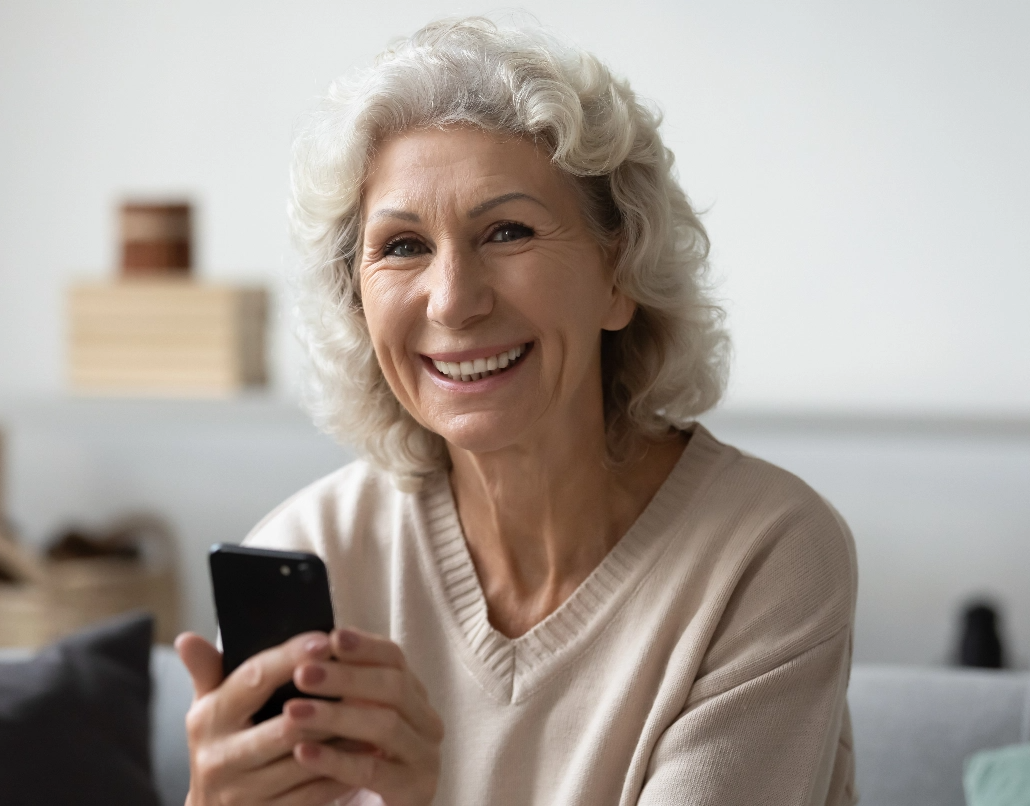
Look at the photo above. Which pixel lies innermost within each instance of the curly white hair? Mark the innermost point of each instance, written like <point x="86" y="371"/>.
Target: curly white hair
<point x="666" y="367"/>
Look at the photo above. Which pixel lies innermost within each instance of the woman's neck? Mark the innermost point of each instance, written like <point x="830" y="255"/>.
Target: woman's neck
<point x="537" y="522"/>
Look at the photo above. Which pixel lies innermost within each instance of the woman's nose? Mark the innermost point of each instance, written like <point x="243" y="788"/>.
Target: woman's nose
<point x="459" y="293"/>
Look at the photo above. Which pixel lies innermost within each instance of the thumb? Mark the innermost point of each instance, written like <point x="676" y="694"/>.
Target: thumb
<point x="202" y="661"/>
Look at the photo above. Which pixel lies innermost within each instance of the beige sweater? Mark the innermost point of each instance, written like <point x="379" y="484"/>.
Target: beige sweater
<point x="704" y="661"/>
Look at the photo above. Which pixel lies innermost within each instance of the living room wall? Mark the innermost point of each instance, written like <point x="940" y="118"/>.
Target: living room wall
<point x="864" y="169"/>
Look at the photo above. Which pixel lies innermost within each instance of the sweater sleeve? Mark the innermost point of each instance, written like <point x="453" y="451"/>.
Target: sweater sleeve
<point x="765" y="720"/>
<point x="780" y="738"/>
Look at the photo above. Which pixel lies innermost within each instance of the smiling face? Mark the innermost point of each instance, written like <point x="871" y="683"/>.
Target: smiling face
<point x="484" y="290"/>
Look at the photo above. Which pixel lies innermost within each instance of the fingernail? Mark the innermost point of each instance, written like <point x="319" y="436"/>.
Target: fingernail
<point x="316" y="644"/>
<point x="300" y="710"/>
<point x="312" y="675"/>
<point x="348" y="640"/>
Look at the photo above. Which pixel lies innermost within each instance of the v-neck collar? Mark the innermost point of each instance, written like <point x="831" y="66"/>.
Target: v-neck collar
<point x="511" y="669"/>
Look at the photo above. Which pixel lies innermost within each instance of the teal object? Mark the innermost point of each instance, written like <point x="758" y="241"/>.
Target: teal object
<point x="998" y="777"/>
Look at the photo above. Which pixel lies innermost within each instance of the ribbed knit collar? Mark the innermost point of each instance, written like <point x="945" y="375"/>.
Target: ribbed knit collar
<point x="511" y="669"/>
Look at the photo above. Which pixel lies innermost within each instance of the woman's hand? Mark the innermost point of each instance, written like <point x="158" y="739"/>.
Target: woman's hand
<point x="234" y="761"/>
<point x="388" y="735"/>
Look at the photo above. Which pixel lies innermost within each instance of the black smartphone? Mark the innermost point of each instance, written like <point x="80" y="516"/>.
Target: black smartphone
<point x="264" y="597"/>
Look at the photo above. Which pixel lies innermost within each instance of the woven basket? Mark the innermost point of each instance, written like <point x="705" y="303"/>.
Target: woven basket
<point x="64" y="596"/>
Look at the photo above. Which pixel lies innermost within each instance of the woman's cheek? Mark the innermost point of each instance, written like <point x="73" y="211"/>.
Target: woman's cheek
<point x="383" y="315"/>
<point x="398" y="364"/>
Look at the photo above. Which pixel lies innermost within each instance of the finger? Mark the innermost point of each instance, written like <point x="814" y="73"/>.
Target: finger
<point x="251" y="684"/>
<point x="318" y="792"/>
<point x="377" y="685"/>
<point x="278" y="779"/>
<point x="257" y="785"/>
<point x="257" y="746"/>
<point x="364" y="648"/>
<point x="360" y="797"/>
<point x="361" y="648"/>
<point x="286" y="783"/>
<point x="374" y="685"/>
<point x="360" y="770"/>
<point x="202" y="660"/>
<point x="382" y="727"/>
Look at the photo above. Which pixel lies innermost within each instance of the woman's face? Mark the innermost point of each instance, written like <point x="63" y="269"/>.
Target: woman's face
<point x="484" y="291"/>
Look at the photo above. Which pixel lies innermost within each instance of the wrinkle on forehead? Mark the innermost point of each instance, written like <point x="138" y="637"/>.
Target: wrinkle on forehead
<point x="428" y="157"/>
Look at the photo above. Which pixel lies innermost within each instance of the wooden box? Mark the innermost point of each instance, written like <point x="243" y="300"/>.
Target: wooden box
<point x="166" y="337"/>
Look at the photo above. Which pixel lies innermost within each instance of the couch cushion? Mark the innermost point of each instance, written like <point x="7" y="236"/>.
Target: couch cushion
<point x="914" y="727"/>
<point x="74" y="720"/>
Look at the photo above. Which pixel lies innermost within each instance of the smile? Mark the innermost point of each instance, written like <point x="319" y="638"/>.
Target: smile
<point x="469" y="371"/>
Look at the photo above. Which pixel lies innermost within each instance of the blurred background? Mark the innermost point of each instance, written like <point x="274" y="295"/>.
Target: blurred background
<point x="866" y="183"/>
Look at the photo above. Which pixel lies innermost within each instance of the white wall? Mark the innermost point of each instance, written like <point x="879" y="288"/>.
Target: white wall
<point x="865" y="168"/>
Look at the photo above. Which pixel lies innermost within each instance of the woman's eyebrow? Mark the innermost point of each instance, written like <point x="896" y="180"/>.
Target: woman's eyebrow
<point x="488" y="205"/>
<point x="393" y="212"/>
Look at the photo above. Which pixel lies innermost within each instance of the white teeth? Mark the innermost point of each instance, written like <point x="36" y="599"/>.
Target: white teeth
<point x="479" y="367"/>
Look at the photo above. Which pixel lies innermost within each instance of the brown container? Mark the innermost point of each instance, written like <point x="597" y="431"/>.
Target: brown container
<point x="156" y="239"/>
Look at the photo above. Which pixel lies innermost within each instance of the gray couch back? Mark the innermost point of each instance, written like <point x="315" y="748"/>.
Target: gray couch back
<point x="914" y="727"/>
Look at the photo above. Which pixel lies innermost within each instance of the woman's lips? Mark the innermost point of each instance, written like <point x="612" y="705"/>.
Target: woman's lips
<point x="470" y="370"/>
<point x="458" y="356"/>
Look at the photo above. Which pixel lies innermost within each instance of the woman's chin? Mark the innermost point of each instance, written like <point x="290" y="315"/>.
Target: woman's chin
<point x="477" y="433"/>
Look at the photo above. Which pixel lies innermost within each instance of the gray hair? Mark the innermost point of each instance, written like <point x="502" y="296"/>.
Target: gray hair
<point x="666" y="367"/>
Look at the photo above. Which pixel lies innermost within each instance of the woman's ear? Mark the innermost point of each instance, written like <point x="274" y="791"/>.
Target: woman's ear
<point x="620" y="311"/>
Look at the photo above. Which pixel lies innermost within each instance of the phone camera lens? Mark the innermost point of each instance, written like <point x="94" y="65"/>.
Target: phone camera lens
<point x="284" y="570"/>
<point x="306" y="574"/>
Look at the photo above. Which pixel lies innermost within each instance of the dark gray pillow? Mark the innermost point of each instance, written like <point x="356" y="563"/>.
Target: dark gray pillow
<point x="75" y="721"/>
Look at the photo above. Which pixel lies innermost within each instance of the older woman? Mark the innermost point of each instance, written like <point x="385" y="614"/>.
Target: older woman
<point x="554" y="586"/>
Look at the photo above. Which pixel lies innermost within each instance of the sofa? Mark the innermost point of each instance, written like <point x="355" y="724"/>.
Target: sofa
<point x="913" y="728"/>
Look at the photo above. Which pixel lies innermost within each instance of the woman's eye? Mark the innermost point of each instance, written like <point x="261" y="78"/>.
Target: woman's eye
<point x="506" y="233"/>
<point x="405" y="247"/>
